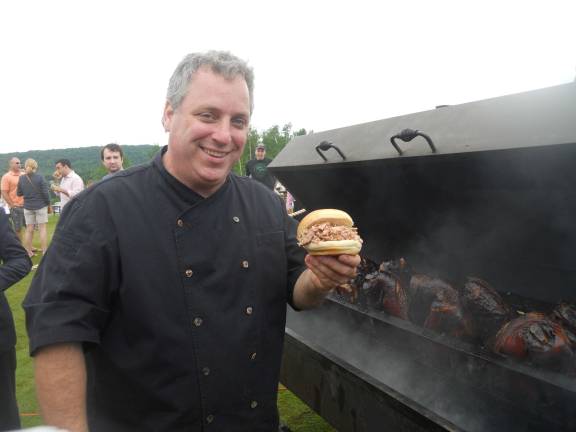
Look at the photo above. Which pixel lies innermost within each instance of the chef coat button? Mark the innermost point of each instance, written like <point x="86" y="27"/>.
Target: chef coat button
<point x="198" y="321"/>
<point x="249" y="310"/>
<point x="245" y="264"/>
<point x="236" y="219"/>
<point x="180" y="223"/>
<point x="206" y="371"/>
<point x="253" y="356"/>
<point x="189" y="273"/>
<point x="253" y="404"/>
<point x="209" y="418"/>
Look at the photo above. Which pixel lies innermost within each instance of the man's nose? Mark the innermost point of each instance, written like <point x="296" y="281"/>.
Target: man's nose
<point x="222" y="133"/>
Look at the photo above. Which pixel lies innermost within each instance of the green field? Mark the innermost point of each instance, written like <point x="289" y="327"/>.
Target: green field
<point x="296" y="415"/>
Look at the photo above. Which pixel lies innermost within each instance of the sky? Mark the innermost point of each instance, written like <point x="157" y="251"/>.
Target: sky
<point x="86" y="73"/>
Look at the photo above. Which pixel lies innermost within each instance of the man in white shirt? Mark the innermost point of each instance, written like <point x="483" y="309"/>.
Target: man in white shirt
<point x="70" y="183"/>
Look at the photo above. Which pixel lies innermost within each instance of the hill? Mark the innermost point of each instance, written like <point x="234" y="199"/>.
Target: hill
<point x="85" y="160"/>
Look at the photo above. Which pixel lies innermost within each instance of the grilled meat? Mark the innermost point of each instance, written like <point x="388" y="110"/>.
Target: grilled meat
<point x="477" y="310"/>
<point x="565" y="314"/>
<point x="328" y="232"/>
<point x="484" y="309"/>
<point x="398" y="267"/>
<point x="350" y="292"/>
<point x="384" y="291"/>
<point x="435" y="304"/>
<point x="378" y="288"/>
<point x="536" y="338"/>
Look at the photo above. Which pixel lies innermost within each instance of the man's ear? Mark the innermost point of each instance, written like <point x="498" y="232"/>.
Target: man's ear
<point x="167" y="116"/>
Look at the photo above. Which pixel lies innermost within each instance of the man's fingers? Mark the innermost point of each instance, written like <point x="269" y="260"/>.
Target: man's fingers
<point x="344" y="287"/>
<point x="350" y="260"/>
<point x="344" y="265"/>
<point x="330" y="269"/>
<point x="324" y="274"/>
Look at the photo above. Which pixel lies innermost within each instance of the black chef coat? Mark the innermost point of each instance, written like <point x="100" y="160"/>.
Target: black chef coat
<point x="180" y="301"/>
<point x="15" y="265"/>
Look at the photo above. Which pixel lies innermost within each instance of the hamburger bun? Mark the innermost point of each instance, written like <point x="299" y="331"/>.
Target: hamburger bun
<point x="331" y="245"/>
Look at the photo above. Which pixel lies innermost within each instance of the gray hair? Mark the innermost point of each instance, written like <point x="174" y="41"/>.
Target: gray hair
<point x="222" y="63"/>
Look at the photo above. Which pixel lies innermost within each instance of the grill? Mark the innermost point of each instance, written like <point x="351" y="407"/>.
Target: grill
<point x="483" y="189"/>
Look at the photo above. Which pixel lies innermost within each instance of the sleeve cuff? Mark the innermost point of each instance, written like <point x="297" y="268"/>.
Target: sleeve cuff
<point x="63" y="322"/>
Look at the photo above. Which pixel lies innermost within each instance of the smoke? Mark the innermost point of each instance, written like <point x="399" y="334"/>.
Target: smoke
<point x="457" y="388"/>
<point x="397" y="365"/>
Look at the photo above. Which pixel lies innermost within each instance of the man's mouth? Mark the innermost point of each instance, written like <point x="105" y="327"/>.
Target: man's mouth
<point x="214" y="153"/>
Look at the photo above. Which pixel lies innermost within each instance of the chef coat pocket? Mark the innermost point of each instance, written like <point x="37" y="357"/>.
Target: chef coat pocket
<point x="275" y="238"/>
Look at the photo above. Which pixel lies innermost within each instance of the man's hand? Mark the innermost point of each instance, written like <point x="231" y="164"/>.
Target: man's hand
<point x="330" y="271"/>
<point x="324" y="273"/>
<point x="7" y="199"/>
<point x="58" y="189"/>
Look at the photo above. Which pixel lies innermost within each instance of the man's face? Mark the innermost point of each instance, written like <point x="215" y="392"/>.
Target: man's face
<point x="112" y="161"/>
<point x="208" y="131"/>
<point x="62" y="169"/>
<point x="15" y="165"/>
<point x="260" y="153"/>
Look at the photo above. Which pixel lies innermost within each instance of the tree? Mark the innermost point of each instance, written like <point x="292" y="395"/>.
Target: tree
<point x="155" y="149"/>
<point x="253" y="138"/>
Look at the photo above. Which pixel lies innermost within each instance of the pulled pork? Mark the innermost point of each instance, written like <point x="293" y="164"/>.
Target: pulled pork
<point x="328" y="232"/>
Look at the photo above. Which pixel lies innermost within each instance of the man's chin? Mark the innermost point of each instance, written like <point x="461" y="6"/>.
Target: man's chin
<point x="214" y="178"/>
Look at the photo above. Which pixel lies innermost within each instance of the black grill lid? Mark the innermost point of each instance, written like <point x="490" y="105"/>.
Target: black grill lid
<point x="540" y="117"/>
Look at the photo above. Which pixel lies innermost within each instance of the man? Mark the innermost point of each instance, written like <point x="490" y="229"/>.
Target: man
<point x="15" y="265"/>
<point x="174" y="320"/>
<point x="112" y="159"/>
<point x="70" y="183"/>
<point x="14" y="202"/>
<point x="258" y="168"/>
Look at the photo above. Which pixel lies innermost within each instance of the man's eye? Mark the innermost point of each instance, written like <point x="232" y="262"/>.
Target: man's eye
<point x="206" y="116"/>
<point x="239" y="122"/>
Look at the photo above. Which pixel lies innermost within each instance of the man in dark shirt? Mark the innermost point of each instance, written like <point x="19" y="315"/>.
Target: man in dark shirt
<point x="258" y="168"/>
<point x="112" y="158"/>
<point x="15" y="265"/>
<point x="173" y="320"/>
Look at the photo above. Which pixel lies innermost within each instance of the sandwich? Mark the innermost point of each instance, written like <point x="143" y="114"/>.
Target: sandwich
<point x="329" y="232"/>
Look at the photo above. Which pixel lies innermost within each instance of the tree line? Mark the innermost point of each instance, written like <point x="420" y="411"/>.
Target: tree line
<point x="87" y="164"/>
<point x="85" y="160"/>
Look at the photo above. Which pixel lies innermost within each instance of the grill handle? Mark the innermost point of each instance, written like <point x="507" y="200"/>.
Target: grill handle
<point x="325" y="146"/>
<point x="408" y="135"/>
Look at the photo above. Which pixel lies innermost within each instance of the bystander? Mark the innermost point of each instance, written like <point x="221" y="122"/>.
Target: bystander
<point x="112" y="159"/>
<point x="258" y="168"/>
<point x="70" y="183"/>
<point x="14" y="202"/>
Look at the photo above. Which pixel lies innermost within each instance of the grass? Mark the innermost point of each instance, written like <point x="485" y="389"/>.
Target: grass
<point x="297" y="415"/>
<point x="293" y="412"/>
